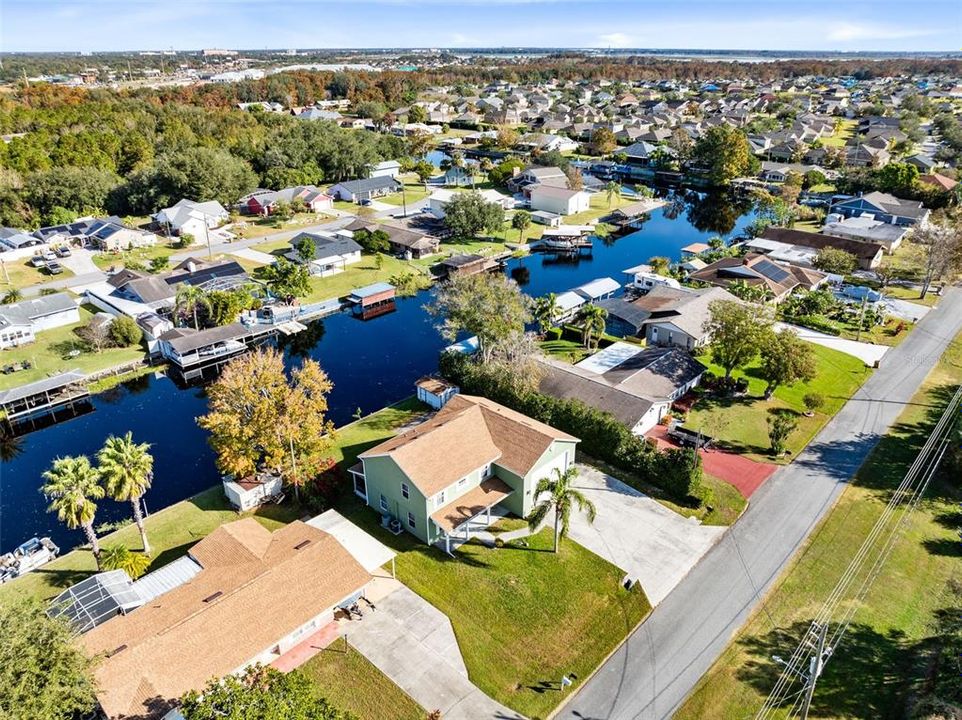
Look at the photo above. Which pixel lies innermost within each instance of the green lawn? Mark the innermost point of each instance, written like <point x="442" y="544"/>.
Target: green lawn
<point x="845" y="132"/>
<point x="599" y="208"/>
<point x="887" y="654"/>
<point x="566" y="350"/>
<point x="48" y="355"/>
<point x="258" y="227"/>
<point x="523" y="616"/>
<point x="173" y="530"/>
<point x="413" y="192"/>
<point x="18" y="274"/>
<point x="741" y="423"/>
<point x="139" y="256"/>
<point x="348" y="680"/>
<point x="912" y="295"/>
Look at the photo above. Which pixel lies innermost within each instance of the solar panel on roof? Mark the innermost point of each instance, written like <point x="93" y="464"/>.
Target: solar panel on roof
<point x="772" y="271"/>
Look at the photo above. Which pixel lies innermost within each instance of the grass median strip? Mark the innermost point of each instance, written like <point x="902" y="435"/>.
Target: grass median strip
<point x="885" y="660"/>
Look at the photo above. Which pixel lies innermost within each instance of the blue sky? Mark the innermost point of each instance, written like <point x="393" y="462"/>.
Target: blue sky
<point x="768" y="24"/>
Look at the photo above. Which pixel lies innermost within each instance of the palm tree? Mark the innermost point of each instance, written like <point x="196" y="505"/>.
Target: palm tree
<point x="611" y="190"/>
<point x="592" y="319"/>
<point x="72" y="485"/>
<point x="126" y="469"/>
<point x="189" y="297"/>
<point x="546" y="311"/>
<point x="11" y="296"/>
<point x="561" y="497"/>
<point x="120" y="557"/>
<point x="520" y="222"/>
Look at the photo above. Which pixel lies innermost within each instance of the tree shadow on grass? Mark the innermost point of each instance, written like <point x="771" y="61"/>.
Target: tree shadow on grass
<point x="865" y="677"/>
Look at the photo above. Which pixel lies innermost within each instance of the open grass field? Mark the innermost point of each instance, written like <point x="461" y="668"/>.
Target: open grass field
<point x="173" y="530"/>
<point x="348" y="680"/>
<point x="887" y="655"/>
<point x="258" y="227"/>
<point x="740" y="424"/>
<point x="841" y="136"/>
<point x="523" y="616"/>
<point x="48" y="355"/>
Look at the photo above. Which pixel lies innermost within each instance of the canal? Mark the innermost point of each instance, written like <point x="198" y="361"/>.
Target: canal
<point x="371" y="363"/>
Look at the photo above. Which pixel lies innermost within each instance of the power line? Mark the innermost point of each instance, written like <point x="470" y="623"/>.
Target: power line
<point x="815" y="648"/>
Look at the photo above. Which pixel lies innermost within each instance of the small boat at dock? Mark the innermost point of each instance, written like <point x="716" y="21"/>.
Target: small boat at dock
<point x="31" y="555"/>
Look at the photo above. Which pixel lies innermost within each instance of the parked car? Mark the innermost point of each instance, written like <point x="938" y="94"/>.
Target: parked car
<point x="54" y="268"/>
<point x="63" y="251"/>
<point x="50" y="256"/>
<point x="37" y="261"/>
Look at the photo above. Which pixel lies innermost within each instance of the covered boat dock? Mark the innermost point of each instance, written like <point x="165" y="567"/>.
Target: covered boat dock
<point x="44" y="396"/>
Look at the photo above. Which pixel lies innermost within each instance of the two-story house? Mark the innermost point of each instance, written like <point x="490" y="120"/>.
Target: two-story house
<point x="441" y="479"/>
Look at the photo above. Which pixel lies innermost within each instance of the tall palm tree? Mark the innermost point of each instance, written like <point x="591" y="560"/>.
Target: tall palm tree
<point x="560" y="497"/>
<point x="188" y="298"/>
<point x="126" y="468"/>
<point x="611" y="190"/>
<point x="546" y="311"/>
<point x="72" y="485"/>
<point x="592" y="318"/>
<point x="11" y="296"/>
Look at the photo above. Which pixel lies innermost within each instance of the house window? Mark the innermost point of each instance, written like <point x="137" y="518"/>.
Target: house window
<point x="383" y="504"/>
<point x="411" y="521"/>
<point x="405" y="491"/>
<point x="439" y="500"/>
<point x="486" y="473"/>
<point x="360" y="486"/>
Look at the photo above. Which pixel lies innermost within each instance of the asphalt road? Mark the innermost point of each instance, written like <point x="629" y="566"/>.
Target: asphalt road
<point x="660" y="663"/>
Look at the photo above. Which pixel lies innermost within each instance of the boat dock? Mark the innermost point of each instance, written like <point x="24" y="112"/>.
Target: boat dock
<point x="565" y="239"/>
<point x="43" y="397"/>
<point x="372" y="300"/>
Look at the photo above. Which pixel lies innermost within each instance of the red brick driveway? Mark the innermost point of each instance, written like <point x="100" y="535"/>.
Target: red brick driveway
<point x="744" y="474"/>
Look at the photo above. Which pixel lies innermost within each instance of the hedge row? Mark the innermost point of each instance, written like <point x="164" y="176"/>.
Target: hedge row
<point x="677" y="471"/>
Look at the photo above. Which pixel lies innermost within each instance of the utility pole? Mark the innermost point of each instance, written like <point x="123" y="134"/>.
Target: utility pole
<point x="861" y="318"/>
<point x="815" y="665"/>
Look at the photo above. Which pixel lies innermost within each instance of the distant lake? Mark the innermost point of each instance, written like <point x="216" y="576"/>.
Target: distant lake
<point x="371" y="363"/>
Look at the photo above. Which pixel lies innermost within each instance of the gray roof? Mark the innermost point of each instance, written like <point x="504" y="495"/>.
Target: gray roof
<point x="566" y="382"/>
<point x="26" y="311"/>
<point x="625" y="311"/>
<point x="324" y="246"/>
<point x="184" y="340"/>
<point x="366" y="185"/>
<point x="35" y="388"/>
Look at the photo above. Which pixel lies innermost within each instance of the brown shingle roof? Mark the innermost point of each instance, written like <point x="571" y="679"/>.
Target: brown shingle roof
<point x="256" y="587"/>
<point x="466" y="434"/>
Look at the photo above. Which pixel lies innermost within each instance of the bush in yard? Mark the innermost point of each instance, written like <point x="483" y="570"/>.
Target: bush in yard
<point x="780" y="426"/>
<point x="124" y="331"/>
<point x="813" y="401"/>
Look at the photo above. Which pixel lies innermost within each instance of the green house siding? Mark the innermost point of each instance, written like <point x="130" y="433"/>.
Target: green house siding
<point x="384" y="477"/>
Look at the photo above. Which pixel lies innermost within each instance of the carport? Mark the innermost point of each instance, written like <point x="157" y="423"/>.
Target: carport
<point x="369" y="552"/>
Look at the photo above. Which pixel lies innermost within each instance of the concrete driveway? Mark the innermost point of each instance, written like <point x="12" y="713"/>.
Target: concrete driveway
<point x="866" y="352"/>
<point x="412" y="642"/>
<point x="651" y="543"/>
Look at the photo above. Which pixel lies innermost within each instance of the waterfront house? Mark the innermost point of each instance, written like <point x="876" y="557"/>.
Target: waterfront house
<point x="666" y="315"/>
<point x="242" y="595"/>
<point x="440" y="198"/>
<point x="882" y="207"/>
<point x="866" y="229"/>
<point x="778" y="279"/>
<point x="559" y="200"/>
<point x="332" y="253"/>
<point x="406" y="242"/>
<point x="634" y="384"/>
<point x="21" y="321"/>
<point x="441" y="479"/>
<point x="356" y="191"/>
<point x="802" y="248"/>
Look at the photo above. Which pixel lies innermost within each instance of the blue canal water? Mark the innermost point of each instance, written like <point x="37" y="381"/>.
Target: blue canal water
<point x="371" y="363"/>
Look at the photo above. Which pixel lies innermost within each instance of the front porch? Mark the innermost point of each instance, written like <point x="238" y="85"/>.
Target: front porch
<point x="471" y="514"/>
